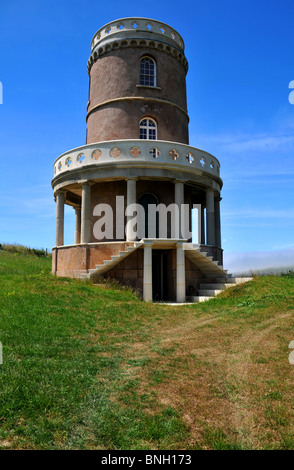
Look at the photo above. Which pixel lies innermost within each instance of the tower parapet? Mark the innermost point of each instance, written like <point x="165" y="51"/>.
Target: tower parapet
<point x="140" y="32"/>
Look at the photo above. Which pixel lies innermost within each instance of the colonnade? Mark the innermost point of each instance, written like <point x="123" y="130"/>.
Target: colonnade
<point x="211" y="236"/>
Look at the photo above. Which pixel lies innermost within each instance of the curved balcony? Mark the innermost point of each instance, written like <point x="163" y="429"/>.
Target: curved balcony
<point x="140" y="155"/>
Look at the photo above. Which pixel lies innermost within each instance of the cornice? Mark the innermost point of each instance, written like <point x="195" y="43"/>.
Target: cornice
<point x="154" y="44"/>
<point x="136" y="98"/>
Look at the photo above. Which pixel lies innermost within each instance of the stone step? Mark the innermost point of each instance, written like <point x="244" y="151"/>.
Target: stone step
<point x="83" y="275"/>
<point x="209" y="292"/>
<point x="232" y="280"/>
<point x="219" y="285"/>
<point x="91" y="271"/>
<point x="211" y="277"/>
<point x="241" y="280"/>
<point x="219" y="280"/>
<point x="211" y="285"/>
<point x="199" y="298"/>
<point x="217" y="264"/>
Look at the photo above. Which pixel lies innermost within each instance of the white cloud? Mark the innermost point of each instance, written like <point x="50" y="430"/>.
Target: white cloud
<point x="262" y="142"/>
<point x="242" y="142"/>
<point x="33" y="205"/>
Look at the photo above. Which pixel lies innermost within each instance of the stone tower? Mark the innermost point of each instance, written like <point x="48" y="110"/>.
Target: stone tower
<point x="137" y="152"/>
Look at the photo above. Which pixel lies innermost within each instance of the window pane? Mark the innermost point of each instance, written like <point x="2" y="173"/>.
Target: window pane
<point x="152" y="134"/>
<point x="143" y="133"/>
<point x="147" y="72"/>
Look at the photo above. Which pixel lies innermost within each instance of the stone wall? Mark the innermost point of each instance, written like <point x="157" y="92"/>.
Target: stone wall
<point x="116" y="75"/>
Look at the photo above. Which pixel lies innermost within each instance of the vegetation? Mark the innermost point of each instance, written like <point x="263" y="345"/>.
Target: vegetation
<point x="274" y="271"/>
<point x="24" y="250"/>
<point x="94" y="367"/>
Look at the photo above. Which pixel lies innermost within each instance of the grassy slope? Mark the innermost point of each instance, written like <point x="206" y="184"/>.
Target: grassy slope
<point x="91" y="367"/>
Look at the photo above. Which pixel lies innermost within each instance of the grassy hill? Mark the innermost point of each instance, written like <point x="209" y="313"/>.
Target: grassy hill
<point x="93" y="367"/>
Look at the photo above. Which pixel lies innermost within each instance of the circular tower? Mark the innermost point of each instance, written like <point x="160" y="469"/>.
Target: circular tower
<point x="137" y="69"/>
<point x="136" y="183"/>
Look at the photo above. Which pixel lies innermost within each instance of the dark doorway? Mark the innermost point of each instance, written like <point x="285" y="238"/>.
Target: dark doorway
<point x="160" y="275"/>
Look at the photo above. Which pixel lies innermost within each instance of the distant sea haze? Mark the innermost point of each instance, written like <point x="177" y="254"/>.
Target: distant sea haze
<point x="262" y="262"/>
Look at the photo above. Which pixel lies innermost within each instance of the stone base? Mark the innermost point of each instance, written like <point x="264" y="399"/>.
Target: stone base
<point x="75" y="260"/>
<point x="72" y="260"/>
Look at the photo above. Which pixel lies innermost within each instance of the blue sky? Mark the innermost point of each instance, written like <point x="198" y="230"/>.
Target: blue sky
<point x="240" y="55"/>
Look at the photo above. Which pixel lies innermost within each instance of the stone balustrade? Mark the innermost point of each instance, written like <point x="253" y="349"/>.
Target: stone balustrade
<point x="134" y="25"/>
<point x="138" y="153"/>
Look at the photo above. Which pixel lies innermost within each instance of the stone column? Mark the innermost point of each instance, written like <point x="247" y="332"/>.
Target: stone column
<point x="147" y="272"/>
<point x="77" y="225"/>
<point x="202" y="221"/>
<point x="59" y="232"/>
<point x="210" y="222"/>
<point x="86" y="213"/>
<point x="179" y="200"/>
<point x="218" y="242"/>
<point x="181" y="276"/>
<point x="131" y="199"/>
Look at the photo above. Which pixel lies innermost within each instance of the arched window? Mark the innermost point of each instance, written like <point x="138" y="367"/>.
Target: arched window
<point x="148" y="129"/>
<point x="147" y="71"/>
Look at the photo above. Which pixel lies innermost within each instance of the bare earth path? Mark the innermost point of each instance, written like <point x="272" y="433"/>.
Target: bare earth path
<point x="223" y="373"/>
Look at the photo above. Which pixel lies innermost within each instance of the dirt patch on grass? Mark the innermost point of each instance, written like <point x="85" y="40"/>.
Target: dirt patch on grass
<point x="216" y="373"/>
<point x="253" y="379"/>
<point x="5" y="444"/>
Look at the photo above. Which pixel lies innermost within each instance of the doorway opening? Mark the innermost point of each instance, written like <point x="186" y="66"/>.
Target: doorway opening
<point x="161" y="274"/>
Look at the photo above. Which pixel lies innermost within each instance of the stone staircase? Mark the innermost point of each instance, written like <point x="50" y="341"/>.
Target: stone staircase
<point x="109" y="263"/>
<point x="208" y="289"/>
<point x="207" y="265"/>
<point x="215" y="278"/>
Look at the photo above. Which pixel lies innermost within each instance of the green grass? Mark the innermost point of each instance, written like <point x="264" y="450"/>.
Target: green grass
<point x="94" y="367"/>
